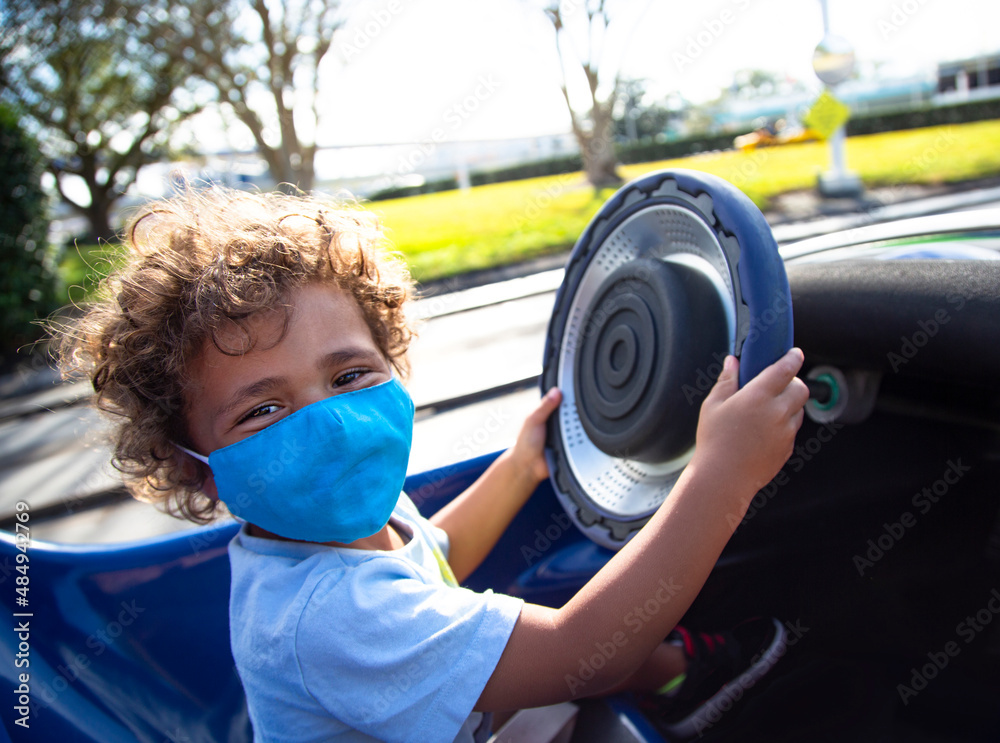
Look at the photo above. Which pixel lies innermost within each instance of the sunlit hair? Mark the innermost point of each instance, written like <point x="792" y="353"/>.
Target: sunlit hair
<point x="198" y="267"/>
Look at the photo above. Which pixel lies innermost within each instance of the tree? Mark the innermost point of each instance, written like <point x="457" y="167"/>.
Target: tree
<point x="635" y="117"/>
<point x="27" y="276"/>
<point x="753" y="84"/>
<point x="273" y="53"/>
<point x="101" y="85"/>
<point x="594" y="127"/>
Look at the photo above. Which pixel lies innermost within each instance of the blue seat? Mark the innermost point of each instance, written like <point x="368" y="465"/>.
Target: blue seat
<point x="124" y="643"/>
<point x="130" y="642"/>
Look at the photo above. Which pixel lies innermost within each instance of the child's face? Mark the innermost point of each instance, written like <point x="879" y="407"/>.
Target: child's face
<point x="326" y="350"/>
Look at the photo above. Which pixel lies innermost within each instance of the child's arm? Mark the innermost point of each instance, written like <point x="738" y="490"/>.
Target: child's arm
<point x="628" y="608"/>
<point x="475" y="520"/>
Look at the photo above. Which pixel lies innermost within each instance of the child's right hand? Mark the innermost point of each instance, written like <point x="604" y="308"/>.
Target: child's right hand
<point x="746" y="435"/>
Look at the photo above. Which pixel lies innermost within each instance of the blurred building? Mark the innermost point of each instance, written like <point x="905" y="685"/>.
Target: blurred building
<point x="863" y="96"/>
<point x="960" y="81"/>
<point x="362" y="170"/>
<point x="973" y="79"/>
<point x="367" y="169"/>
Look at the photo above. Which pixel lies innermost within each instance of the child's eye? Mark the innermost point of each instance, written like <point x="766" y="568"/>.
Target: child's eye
<point x="348" y="378"/>
<point x="258" y="412"/>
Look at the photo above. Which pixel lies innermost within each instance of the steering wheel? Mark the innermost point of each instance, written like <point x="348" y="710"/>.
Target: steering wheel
<point x="676" y="270"/>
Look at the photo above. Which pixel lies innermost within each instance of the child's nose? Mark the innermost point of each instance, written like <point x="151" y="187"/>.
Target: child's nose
<point x="314" y="394"/>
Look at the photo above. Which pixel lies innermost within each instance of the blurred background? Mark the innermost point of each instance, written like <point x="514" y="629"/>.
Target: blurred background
<point x="107" y="104"/>
<point x="484" y="134"/>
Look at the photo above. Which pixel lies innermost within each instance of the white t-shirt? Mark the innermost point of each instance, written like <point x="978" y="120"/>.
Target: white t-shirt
<point x="336" y="644"/>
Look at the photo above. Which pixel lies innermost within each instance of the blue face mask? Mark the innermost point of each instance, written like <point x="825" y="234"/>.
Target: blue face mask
<point x="330" y="472"/>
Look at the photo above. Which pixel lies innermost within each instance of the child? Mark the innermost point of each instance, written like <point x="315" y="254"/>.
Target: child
<point x="251" y="351"/>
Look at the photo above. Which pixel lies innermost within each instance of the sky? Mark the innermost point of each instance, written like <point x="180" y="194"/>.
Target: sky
<point x="407" y="70"/>
<point x="428" y="71"/>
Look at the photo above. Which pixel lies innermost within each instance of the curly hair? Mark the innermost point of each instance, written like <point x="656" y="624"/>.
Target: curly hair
<point x="198" y="266"/>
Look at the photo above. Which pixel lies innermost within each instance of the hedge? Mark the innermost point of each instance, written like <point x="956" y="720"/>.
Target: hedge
<point x="642" y="152"/>
<point x="399" y="192"/>
<point x="917" y="118"/>
<point x="27" y="276"/>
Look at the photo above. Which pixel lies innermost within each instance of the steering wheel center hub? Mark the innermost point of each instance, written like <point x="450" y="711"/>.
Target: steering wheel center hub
<point x="647" y="332"/>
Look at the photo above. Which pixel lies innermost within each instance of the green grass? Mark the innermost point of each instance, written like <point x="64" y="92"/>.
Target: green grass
<point x="453" y="232"/>
<point x="82" y="266"/>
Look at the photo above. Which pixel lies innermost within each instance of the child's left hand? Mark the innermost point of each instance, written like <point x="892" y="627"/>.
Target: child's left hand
<point x="529" y="449"/>
<point x="475" y="520"/>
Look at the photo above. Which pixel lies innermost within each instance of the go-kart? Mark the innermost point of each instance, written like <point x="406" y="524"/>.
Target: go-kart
<point x="773" y="137"/>
<point x="877" y="545"/>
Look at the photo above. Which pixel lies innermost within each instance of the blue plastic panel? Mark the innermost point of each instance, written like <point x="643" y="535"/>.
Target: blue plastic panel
<point x="131" y="642"/>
